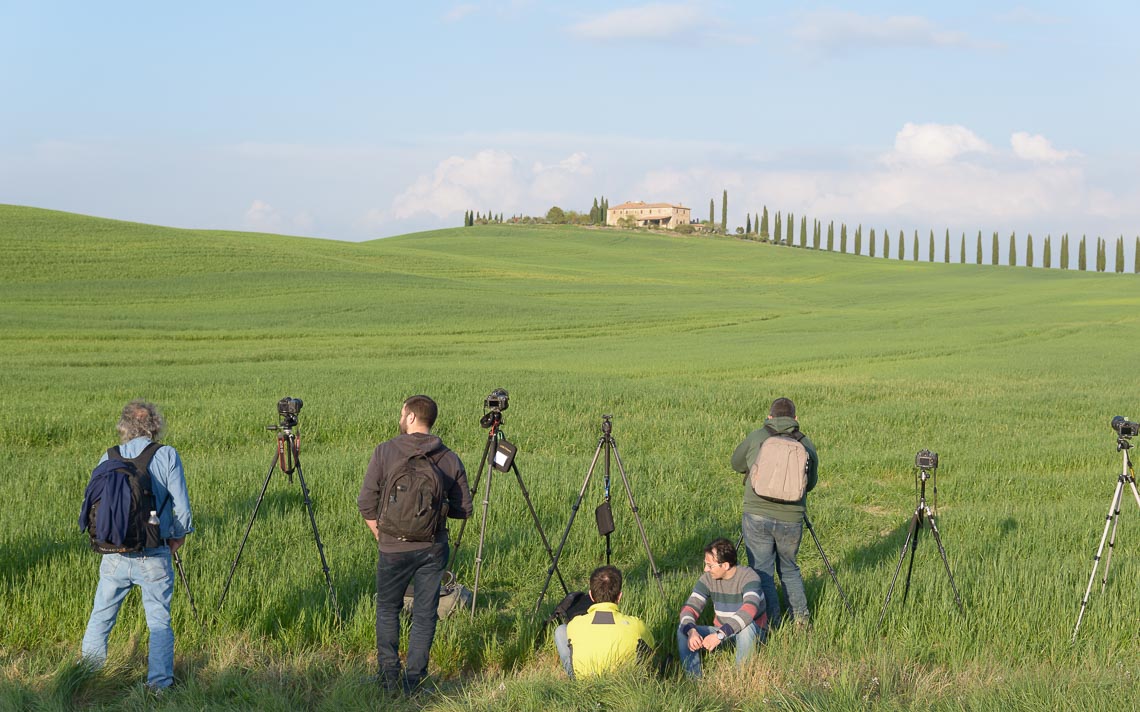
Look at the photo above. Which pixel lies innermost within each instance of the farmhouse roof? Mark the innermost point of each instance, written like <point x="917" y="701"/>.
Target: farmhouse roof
<point x="640" y="204"/>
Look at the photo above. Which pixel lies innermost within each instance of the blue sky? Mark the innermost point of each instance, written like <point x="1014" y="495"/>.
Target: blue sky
<point x="358" y="120"/>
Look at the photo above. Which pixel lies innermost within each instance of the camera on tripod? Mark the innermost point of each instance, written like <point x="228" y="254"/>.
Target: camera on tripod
<point x="926" y="460"/>
<point x="493" y="406"/>
<point x="289" y="408"/>
<point x="1124" y="427"/>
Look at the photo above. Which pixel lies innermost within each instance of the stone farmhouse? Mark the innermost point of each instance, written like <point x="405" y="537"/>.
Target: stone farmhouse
<point x="650" y="214"/>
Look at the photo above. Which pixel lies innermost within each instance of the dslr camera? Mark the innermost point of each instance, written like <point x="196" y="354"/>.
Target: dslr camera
<point x="497" y="400"/>
<point x="1124" y="427"/>
<point x="926" y="460"/>
<point x="289" y="408"/>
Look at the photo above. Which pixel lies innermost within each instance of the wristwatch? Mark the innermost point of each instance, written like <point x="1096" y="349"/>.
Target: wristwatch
<point x="720" y="635"/>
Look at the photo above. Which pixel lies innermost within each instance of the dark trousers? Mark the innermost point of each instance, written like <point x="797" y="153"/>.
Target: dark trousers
<point x="424" y="568"/>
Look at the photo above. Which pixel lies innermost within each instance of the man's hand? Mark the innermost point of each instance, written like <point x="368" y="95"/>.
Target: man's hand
<point x="174" y="544"/>
<point x="710" y="642"/>
<point x="374" y="526"/>
<point x="695" y="641"/>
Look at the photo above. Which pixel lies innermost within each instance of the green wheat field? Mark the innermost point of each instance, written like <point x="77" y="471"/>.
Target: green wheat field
<point x="1010" y="374"/>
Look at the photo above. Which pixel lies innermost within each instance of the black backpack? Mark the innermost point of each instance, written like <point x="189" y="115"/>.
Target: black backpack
<point x="138" y="532"/>
<point x="412" y="503"/>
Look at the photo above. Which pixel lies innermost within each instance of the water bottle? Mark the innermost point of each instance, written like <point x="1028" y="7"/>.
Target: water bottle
<point x="153" y="521"/>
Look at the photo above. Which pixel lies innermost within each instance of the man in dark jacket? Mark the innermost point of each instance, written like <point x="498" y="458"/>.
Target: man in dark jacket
<point x="774" y="529"/>
<point x="420" y="562"/>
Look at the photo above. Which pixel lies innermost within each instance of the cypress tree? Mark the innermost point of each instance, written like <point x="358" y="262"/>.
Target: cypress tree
<point x="915" y="257"/>
<point x="748" y="223"/>
<point x="858" y="239"/>
<point x="831" y="236"/>
<point x="594" y="213"/>
<point x="777" y="232"/>
<point x="1047" y="257"/>
<point x="712" y="217"/>
<point x="1100" y="255"/>
<point x="945" y="248"/>
<point x="791" y="227"/>
<point x="1029" y="250"/>
<point x="764" y="234"/>
<point x="724" y="213"/>
<point x="605" y="210"/>
<point x="979" y="256"/>
<point x="1136" y="258"/>
<point x="871" y="243"/>
<point x="962" y="256"/>
<point x="1082" y="261"/>
<point x="843" y="237"/>
<point x="994" y="257"/>
<point x="886" y="244"/>
<point x="803" y="231"/>
<point x="1065" y="251"/>
<point x="902" y="245"/>
<point x="1120" y="255"/>
<point x="816" y="233"/>
<point x="1012" y="250"/>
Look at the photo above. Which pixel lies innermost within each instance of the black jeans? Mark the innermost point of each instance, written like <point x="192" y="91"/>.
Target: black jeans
<point x="393" y="572"/>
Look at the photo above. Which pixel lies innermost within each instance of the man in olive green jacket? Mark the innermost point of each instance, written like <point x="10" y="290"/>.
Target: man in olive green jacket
<point x="773" y="530"/>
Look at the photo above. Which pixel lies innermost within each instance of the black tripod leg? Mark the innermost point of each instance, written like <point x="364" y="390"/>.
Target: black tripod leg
<point x="538" y="526"/>
<point x="913" y="549"/>
<point x="474" y="489"/>
<point x="566" y="531"/>
<point x="827" y="563"/>
<point x="906" y="544"/>
<point x="241" y="548"/>
<point x="482" y="535"/>
<point x="186" y="585"/>
<point x="637" y="517"/>
<point x="316" y="534"/>
<point x="945" y="561"/>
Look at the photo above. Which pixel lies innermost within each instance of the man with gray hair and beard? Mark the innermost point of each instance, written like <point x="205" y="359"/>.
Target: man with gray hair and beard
<point x="150" y="568"/>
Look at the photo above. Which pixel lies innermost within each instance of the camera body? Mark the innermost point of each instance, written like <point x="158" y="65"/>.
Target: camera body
<point x="1124" y="427"/>
<point x="289" y="408"/>
<point x="497" y="400"/>
<point x="926" y="460"/>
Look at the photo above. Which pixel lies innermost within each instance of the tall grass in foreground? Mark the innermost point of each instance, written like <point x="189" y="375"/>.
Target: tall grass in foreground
<point x="1011" y="375"/>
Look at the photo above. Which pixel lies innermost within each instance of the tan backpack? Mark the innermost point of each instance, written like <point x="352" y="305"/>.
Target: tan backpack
<point x="779" y="473"/>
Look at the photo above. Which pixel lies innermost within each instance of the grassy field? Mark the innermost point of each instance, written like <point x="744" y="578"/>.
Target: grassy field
<point x="1010" y="374"/>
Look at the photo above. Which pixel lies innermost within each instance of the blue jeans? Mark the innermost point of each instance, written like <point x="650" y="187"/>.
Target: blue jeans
<point x="766" y="539"/>
<point x="745" y="642"/>
<point x="425" y="569"/>
<point x="562" y="644"/>
<point x="152" y="571"/>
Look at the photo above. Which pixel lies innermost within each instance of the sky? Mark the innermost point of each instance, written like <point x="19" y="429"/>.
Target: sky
<point x="361" y="120"/>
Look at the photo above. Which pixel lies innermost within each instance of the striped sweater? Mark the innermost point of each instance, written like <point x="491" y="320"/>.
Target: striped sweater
<point x="737" y="602"/>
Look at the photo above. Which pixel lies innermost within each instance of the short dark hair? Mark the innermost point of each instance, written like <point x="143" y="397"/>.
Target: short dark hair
<point x="424" y="408"/>
<point x="782" y="407"/>
<point x="723" y="550"/>
<point x="605" y="584"/>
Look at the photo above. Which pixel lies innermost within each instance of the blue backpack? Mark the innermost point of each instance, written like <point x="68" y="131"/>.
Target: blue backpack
<point x="119" y="512"/>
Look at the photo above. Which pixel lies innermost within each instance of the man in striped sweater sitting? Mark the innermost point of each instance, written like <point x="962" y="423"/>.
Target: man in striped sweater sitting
<point x="740" y="615"/>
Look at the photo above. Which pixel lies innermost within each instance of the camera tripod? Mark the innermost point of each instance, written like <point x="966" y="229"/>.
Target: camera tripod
<point x="288" y="458"/>
<point x="603" y="514"/>
<point x="186" y="584"/>
<point x="822" y="555"/>
<point x="498" y="454"/>
<point x="916" y="524"/>
<point x="1127" y="476"/>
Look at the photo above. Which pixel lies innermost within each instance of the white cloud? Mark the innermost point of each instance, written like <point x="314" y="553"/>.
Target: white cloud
<point x="458" y="12"/>
<point x="934" y="144"/>
<point x="832" y="30"/>
<point x="1037" y="148"/>
<point x="657" y="21"/>
<point x="263" y="217"/>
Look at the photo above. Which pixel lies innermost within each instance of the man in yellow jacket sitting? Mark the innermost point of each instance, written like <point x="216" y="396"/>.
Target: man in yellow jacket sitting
<point x="602" y="638"/>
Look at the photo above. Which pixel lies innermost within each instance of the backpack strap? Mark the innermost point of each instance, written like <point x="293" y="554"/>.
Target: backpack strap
<point x="795" y="434"/>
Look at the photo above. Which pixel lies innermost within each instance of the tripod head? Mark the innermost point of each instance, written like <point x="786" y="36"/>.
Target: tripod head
<point x="607" y="425"/>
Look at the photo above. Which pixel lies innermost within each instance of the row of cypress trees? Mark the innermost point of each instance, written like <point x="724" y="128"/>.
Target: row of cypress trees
<point x="783" y="232"/>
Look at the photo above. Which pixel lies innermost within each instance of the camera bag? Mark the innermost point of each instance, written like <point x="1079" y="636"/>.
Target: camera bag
<point x="412" y="504"/>
<point x="779" y="473"/>
<point x="118" y="502"/>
